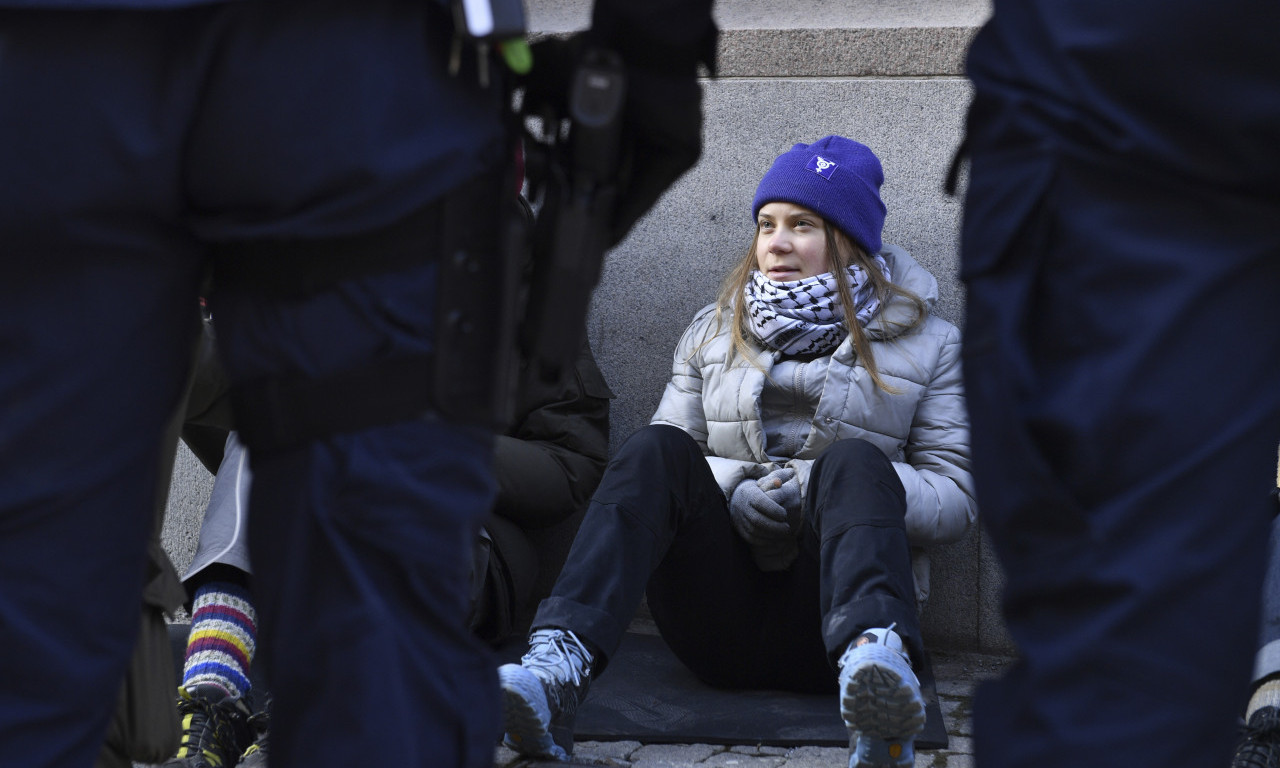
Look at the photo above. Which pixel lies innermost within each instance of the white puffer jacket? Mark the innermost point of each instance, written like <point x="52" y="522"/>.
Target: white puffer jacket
<point x="924" y="430"/>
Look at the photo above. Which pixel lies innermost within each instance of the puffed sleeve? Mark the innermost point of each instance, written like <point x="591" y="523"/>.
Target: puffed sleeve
<point x="936" y="475"/>
<point x="682" y="402"/>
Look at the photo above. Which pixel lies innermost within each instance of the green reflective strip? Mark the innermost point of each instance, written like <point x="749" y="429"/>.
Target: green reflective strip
<point x="517" y="55"/>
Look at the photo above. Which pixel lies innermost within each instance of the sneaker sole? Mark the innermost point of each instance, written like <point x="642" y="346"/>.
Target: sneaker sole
<point x="881" y="702"/>
<point x="526" y="715"/>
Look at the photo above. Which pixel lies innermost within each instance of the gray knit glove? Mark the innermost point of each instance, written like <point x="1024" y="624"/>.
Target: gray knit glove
<point x="783" y="486"/>
<point x="766" y="514"/>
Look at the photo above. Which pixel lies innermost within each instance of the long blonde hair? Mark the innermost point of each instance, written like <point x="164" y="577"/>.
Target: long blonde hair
<point x="842" y="251"/>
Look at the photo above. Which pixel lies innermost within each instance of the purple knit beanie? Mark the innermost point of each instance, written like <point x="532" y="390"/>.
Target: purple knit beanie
<point x="837" y="178"/>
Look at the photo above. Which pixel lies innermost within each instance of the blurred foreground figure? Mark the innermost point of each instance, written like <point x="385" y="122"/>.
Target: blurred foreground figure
<point x="322" y="157"/>
<point x="1122" y="361"/>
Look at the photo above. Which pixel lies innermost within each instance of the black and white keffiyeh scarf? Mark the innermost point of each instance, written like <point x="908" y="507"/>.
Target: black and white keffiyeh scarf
<point x="803" y="317"/>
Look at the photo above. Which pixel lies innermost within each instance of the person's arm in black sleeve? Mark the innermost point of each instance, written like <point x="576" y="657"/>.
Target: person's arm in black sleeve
<point x="657" y="35"/>
<point x="661" y="43"/>
<point x="549" y="464"/>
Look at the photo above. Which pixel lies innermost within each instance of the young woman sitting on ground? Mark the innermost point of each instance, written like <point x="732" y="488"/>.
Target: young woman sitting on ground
<point x="813" y="432"/>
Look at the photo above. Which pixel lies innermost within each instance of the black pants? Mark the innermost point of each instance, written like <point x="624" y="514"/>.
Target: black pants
<point x="659" y="519"/>
<point x="147" y="138"/>
<point x="1122" y="370"/>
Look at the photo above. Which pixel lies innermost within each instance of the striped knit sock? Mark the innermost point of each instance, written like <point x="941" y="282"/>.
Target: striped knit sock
<point x="223" y="635"/>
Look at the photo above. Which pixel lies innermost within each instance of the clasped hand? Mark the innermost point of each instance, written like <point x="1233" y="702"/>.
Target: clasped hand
<point x="767" y="514"/>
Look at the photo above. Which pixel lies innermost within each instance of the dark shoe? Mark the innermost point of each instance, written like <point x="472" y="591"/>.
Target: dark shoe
<point x="215" y="728"/>
<point x="541" y="694"/>
<point x="1259" y="745"/>
<point x="256" y="755"/>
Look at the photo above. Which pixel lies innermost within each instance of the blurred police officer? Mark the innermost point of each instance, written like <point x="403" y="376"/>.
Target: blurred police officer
<point x="323" y="156"/>
<point x="1122" y="356"/>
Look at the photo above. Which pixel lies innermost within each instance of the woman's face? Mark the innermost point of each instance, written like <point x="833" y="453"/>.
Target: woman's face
<point x="791" y="242"/>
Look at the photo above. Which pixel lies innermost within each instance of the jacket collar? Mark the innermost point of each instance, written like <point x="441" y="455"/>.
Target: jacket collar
<point x="897" y="314"/>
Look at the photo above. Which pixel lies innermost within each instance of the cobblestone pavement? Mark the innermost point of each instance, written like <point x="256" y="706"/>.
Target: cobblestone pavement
<point x="957" y="675"/>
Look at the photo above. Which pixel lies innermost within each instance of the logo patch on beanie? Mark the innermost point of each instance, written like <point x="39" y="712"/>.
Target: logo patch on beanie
<point x="822" y="166"/>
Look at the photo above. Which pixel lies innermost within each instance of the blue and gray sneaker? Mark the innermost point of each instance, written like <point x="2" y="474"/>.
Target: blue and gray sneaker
<point x="880" y="700"/>
<point x="541" y="694"/>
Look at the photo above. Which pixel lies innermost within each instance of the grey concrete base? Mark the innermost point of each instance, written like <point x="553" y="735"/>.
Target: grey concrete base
<point x="188" y="497"/>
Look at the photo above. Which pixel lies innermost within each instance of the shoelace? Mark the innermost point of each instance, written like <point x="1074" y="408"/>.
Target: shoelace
<point x="883" y="638"/>
<point x="208" y="732"/>
<point x="872" y="639"/>
<point x="555" y="654"/>
<point x="261" y="725"/>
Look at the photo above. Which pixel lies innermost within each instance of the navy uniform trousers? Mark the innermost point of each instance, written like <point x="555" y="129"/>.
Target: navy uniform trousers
<point x="1121" y="251"/>
<point x="659" y="522"/>
<point x="130" y="142"/>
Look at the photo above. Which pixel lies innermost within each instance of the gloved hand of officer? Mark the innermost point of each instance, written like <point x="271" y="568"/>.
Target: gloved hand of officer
<point x="662" y="131"/>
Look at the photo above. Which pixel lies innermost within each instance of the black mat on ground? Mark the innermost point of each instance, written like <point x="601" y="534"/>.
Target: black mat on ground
<point x="647" y="695"/>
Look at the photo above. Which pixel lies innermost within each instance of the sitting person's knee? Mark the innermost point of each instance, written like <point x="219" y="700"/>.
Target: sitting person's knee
<point x="853" y="454"/>
<point x="661" y="437"/>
